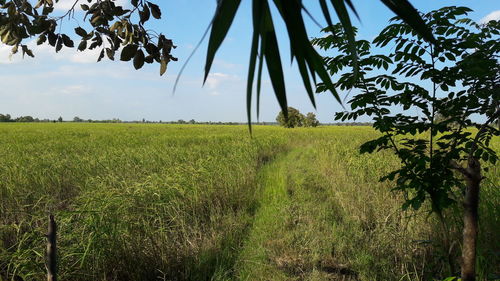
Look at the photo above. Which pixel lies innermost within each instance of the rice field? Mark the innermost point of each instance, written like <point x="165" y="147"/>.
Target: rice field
<point x="200" y="202"/>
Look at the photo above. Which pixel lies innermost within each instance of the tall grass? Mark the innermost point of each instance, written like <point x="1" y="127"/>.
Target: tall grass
<point x="133" y="202"/>
<point x="167" y="202"/>
<point x="327" y="217"/>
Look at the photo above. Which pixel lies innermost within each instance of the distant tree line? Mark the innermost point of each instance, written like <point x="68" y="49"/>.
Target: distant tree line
<point x="297" y="119"/>
<point x="192" y="121"/>
<point x="77" y="119"/>
<point x="29" y="119"/>
<point x="8" y="118"/>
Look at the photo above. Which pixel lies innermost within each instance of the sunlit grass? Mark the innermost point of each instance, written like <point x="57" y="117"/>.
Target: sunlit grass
<point x="193" y="202"/>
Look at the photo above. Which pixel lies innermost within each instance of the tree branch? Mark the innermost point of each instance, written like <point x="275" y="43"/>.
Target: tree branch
<point x="458" y="167"/>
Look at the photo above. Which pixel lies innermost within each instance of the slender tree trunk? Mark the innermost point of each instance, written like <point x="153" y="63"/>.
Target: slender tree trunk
<point x="470" y="231"/>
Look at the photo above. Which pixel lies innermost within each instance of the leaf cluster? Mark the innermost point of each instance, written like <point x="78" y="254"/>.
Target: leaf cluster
<point x="406" y="90"/>
<point x="265" y="48"/>
<point x="112" y="29"/>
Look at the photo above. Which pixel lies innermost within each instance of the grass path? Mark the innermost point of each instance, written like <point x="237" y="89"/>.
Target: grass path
<point x="269" y="219"/>
<point x="291" y="234"/>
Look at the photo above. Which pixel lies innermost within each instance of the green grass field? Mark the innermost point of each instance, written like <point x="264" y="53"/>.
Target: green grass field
<point x="195" y="202"/>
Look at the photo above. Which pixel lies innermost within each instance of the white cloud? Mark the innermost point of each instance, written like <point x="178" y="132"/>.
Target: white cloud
<point x="89" y="56"/>
<point x="226" y="65"/>
<point x="74" y="90"/>
<point x="66" y="5"/>
<point x="6" y="56"/>
<point x="45" y="51"/>
<point x="214" y="79"/>
<point x="495" y="15"/>
<point x="218" y="80"/>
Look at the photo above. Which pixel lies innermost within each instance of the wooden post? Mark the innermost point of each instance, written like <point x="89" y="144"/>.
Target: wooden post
<point x="51" y="264"/>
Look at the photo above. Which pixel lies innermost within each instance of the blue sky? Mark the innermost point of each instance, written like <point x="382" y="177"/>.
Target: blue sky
<point x="72" y="84"/>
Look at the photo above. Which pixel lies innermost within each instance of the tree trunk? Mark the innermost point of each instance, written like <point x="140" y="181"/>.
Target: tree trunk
<point x="470" y="231"/>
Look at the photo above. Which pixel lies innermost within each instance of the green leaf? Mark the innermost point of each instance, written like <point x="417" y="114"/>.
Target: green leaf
<point x="151" y="48"/>
<point x="305" y="78"/>
<point x="128" y="52"/>
<point x="139" y="59"/>
<point x="301" y="49"/>
<point x="163" y="67"/>
<point x="493" y="159"/>
<point x="410" y="15"/>
<point x="273" y="60"/>
<point x="251" y="73"/>
<point x="110" y="53"/>
<point x="259" y="77"/>
<point x="26" y="51"/>
<point x="257" y="9"/>
<point x="351" y="6"/>
<point x="416" y="203"/>
<point x="450" y="56"/>
<point x="478" y="153"/>
<point x="155" y="10"/>
<point x="67" y="41"/>
<point x="83" y="45"/>
<point x="81" y="32"/>
<point x="149" y="59"/>
<point x="326" y="13"/>
<point x="344" y="18"/>
<point x="59" y="43"/>
<point x="144" y="14"/>
<point x="41" y="39"/>
<point x="101" y="55"/>
<point x="223" y="18"/>
<point x="485" y="157"/>
<point x="300" y="45"/>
